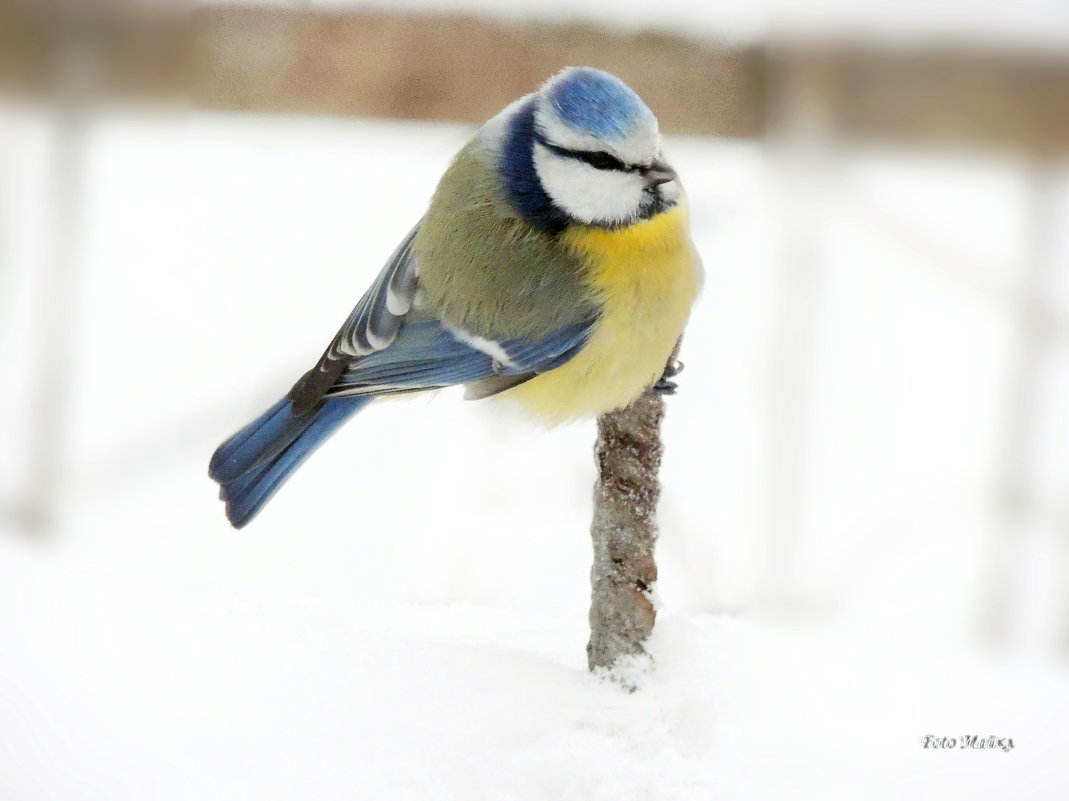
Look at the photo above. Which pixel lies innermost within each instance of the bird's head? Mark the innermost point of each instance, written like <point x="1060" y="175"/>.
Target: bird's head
<point x="586" y="149"/>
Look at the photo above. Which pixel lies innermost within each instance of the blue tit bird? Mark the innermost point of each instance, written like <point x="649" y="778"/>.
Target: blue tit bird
<point x="554" y="267"/>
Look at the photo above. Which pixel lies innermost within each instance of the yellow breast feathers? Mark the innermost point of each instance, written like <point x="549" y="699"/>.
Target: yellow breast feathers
<point x="645" y="278"/>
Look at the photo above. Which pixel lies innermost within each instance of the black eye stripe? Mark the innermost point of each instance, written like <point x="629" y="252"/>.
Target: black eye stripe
<point x="600" y="160"/>
<point x="595" y="158"/>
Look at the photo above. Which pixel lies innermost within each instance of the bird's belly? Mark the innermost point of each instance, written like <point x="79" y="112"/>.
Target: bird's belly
<point x="647" y="277"/>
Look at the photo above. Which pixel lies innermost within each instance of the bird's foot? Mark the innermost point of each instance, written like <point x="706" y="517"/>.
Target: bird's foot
<point x="664" y="385"/>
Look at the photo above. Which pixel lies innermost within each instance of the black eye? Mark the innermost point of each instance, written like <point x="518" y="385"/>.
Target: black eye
<point x="602" y="161"/>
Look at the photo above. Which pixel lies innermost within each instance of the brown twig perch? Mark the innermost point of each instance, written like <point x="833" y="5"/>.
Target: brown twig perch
<point x="624" y="528"/>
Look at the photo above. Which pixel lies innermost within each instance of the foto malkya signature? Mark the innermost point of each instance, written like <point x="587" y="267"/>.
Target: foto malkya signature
<point x="968" y="741"/>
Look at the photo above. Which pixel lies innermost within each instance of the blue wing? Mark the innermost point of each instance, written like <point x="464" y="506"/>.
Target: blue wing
<point x="388" y="344"/>
<point x="429" y="354"/>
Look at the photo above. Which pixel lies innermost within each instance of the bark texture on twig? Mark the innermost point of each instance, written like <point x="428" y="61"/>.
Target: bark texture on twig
<point x="624" y="530"/>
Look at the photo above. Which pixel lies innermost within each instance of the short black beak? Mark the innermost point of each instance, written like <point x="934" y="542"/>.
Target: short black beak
<point x="658" y="173"/>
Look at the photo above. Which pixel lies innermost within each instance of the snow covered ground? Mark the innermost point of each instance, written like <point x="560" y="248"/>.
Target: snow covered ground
<point x="407" y="618"/>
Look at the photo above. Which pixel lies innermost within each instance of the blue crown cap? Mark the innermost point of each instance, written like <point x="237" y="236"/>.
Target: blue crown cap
<point x="598" y="103"/>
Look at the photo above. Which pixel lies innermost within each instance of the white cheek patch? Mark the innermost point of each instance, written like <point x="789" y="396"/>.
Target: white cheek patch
<point x="586" y="193"/>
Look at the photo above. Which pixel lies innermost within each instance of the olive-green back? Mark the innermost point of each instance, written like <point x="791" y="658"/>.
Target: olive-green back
<point x="486" y="269"/>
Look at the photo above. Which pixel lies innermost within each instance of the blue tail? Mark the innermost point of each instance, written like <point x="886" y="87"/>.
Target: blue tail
<point x="256" y="461"/>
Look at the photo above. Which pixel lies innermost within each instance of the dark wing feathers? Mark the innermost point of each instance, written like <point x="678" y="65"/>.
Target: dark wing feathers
<point x="375" y="321"/>
<point x="370" y="327"/>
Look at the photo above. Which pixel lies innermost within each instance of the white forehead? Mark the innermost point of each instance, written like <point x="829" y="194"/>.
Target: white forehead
<point x="641" y="146"/>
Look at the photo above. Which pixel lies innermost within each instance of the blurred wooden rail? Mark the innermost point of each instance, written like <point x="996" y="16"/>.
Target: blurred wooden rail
<point x="451" y="67"/>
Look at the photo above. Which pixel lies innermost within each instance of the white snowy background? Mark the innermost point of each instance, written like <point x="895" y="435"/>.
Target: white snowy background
<point x="841" y="570"/>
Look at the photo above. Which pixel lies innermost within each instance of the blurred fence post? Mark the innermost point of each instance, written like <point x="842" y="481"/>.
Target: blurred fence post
<point x="1020" y="507"/>
<point x="800" y="129"/>
<point x="76" y="37"/>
